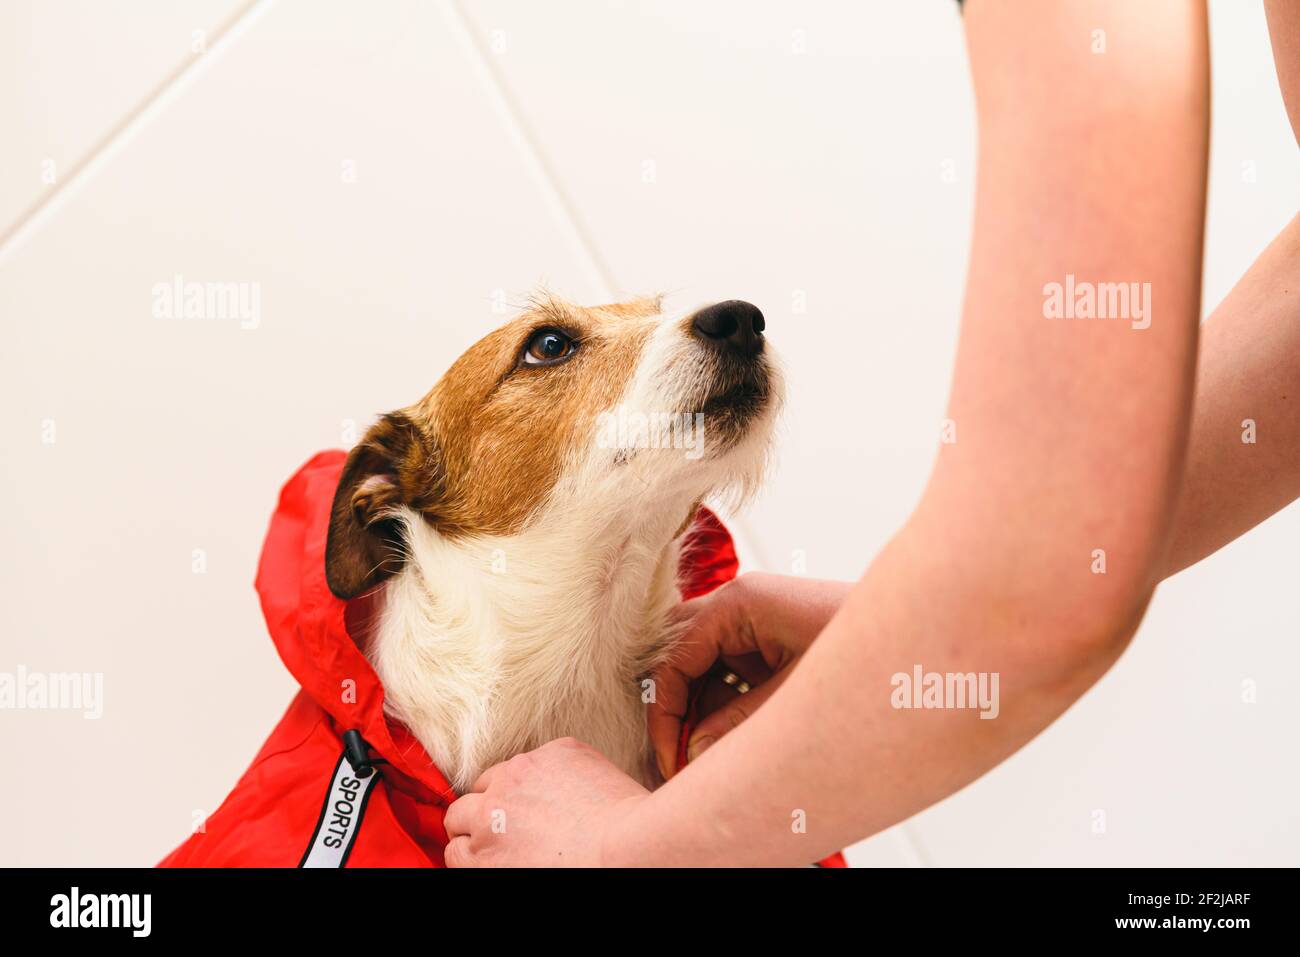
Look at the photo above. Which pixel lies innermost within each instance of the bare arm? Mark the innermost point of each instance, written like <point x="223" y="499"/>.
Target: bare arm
<point x="1243" y="465"/>
<point x="1243" y="461"/>
<point x="1284" y="32"/>
<point x="1071" y="439"/>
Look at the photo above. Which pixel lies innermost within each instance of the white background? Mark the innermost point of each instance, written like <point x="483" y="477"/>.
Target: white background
<point x="778" y="152"/>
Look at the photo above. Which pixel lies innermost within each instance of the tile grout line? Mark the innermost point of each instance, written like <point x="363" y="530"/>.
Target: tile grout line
<point x="122" y="132"/>
<point x="562" y="204"/>
<point x="521" y="131"/>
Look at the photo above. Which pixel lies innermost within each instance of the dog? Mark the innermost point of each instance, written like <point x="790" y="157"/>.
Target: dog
<point x="520" y="525"/>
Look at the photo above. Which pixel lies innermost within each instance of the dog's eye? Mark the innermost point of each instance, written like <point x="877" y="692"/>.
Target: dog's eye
<point x="548" y="346"/>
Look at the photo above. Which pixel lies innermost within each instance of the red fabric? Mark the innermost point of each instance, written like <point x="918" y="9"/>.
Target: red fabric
<point x="269" y="818"/>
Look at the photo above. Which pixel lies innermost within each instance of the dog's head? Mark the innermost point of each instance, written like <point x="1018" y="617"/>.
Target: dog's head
<point x="565" y="412"/>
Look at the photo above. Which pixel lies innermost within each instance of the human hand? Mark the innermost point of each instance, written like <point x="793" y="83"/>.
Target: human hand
<point x="758" y="626"/>
<point x="552" y="807"/>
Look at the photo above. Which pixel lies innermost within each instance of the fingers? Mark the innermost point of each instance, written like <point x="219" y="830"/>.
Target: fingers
<point x="461" y="815"/>
<point x="459" y="822"/>
<point x="457" y="854"/>
<point x="789" y="613"/>
<point x="484" y="780"/>
<point x="665" y="730"/>
<point x="712" y="621"/>
<point x="725" y="718"/>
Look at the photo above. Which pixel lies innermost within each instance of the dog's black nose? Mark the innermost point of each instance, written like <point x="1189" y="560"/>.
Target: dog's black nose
<point x="735" y="324"/>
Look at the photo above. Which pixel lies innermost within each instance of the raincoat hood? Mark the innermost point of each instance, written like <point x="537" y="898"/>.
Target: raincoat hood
<point x="304" y="801"/>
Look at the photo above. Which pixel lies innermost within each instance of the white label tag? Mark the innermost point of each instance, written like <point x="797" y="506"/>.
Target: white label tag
<point x="340" y="817"/>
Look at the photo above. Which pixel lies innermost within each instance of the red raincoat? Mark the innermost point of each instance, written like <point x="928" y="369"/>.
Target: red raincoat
<point x="301" y="803"/>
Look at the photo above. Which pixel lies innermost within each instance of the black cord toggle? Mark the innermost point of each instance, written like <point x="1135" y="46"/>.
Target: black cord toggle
<point x="357" y="752"/>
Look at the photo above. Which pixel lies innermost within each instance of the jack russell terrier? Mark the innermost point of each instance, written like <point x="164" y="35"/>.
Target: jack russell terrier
<point x="526" y="518"/>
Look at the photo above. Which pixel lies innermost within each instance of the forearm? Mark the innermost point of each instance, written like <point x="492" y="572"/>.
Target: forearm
<point x="1070" y="438"/>
<point x="1284" y="33"/>
<point x="1243" y="460"/>
<point x="828" y="759"/>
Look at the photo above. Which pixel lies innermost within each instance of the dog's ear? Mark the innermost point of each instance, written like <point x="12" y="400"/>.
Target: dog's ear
<point x="394" y="464"/>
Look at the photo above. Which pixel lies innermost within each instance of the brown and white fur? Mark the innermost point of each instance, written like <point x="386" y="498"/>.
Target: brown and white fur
<point x="528" y="567"/>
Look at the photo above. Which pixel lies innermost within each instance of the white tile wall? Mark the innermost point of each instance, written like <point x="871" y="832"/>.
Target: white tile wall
<point x="387" y="171"/>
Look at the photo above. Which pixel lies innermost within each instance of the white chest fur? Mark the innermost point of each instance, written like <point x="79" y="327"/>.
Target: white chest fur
<point x="491" y="647"/>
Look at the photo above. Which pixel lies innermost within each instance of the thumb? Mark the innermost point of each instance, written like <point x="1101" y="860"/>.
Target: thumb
<point x="716" y="724"/>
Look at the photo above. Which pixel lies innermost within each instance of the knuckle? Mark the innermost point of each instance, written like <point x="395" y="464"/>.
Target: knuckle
<point x="517" y="766"/>
<point x="456" y="853"/>
<point x="736" y="714"/>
